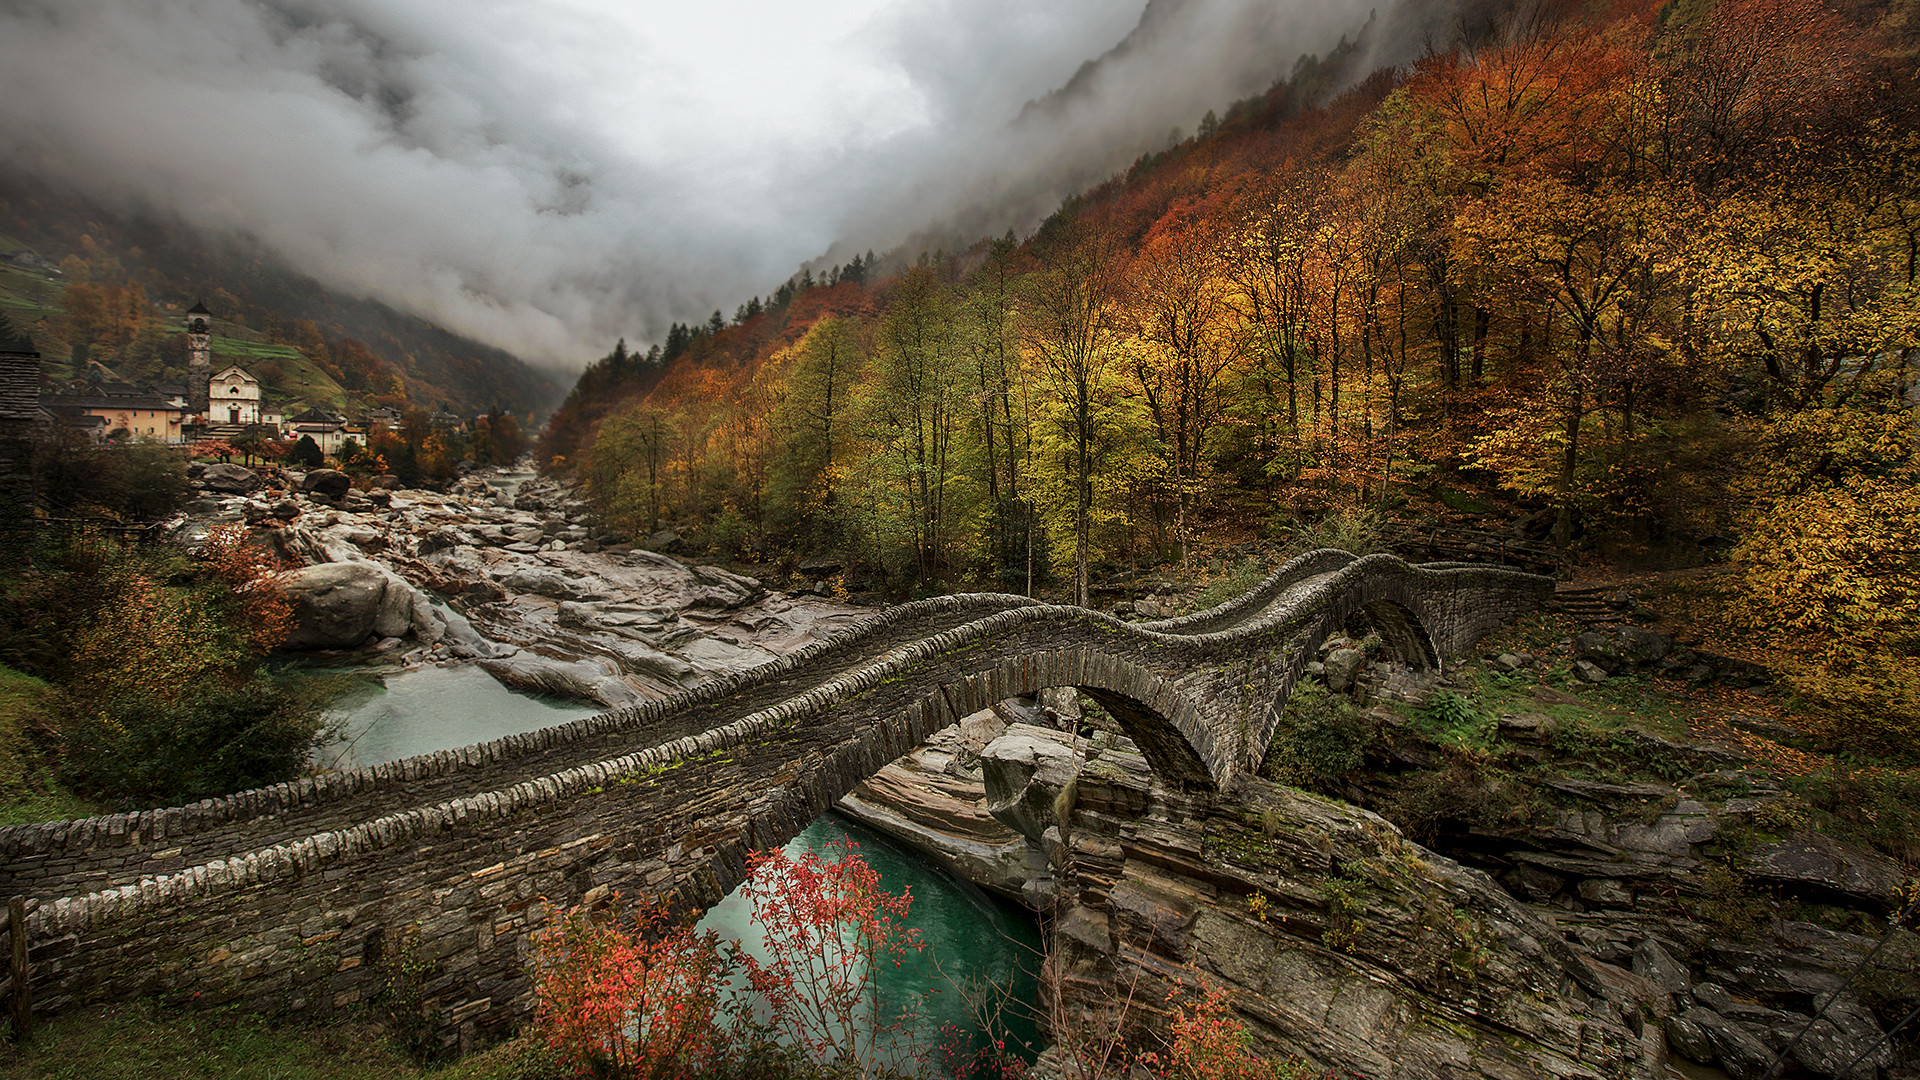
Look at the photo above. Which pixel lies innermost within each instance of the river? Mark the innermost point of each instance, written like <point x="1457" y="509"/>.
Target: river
<point x="382" y="713"/>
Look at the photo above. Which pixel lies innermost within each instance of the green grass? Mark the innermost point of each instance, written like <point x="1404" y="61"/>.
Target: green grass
<point x="26" y="295"/>
<point x="297" y="379"/>
<point x="143" y="1041"/>
<point x="28" y="791"/>
<point x="1224" y="583"/>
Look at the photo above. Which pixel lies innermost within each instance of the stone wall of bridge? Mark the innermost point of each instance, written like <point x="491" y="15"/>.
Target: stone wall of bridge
<point x="292" y="897"/>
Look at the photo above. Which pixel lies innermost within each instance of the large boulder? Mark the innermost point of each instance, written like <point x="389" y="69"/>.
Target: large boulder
<point x="1624" y="648"/>
<point x="1342" y="667"/>
<point x="1823" y="866"/>
<point x="337" y="605"/>
<point x="1025" y="772"/>
<point x="331" y="483"/>
<point x="231" y="479"/>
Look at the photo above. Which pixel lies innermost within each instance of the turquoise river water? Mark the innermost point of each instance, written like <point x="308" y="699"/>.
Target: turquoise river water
<point x="972" y="937"/>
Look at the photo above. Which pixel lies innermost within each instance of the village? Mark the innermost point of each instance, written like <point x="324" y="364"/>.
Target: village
<point x="231" y="405"/>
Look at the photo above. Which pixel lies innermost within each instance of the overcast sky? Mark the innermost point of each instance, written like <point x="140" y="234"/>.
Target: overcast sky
<point x="547" y="174"/>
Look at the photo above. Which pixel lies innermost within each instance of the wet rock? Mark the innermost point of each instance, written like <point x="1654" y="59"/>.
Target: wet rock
<point x="1062" y="706"/>
<point x="1737" y="1051"/>
<point x="1589" y="671"/>
<point x="820" y="566"/>
<point x="1688" y="1039"/>
<point x="1532" y="882"/>
<point x="230" y="479"/>
<point x="1606" y="892"/>
<point x="330" y="483"/>
<point x="1840" y="1037"/>
<point x="1626" y="648"/>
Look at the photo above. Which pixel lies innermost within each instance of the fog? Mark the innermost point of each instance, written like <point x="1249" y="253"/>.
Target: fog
<point x="546" y="175"/>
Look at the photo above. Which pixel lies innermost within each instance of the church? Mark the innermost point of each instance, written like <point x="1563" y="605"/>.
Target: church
<point x="227" y="400"/>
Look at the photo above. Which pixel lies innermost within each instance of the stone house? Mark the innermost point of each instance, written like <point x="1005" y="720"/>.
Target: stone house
<point x="328" y="430"/>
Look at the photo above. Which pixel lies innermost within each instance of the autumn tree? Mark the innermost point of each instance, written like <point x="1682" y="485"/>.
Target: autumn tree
<point x="915" y="409"/>
<point x="1070" y="329"/>
<point x="1182" y="313"/>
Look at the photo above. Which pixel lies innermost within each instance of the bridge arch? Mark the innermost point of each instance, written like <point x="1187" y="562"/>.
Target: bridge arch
<point x="669" y="796"/>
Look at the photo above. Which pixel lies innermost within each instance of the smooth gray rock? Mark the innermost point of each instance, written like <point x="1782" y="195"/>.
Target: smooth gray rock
<point x="1025" y="772"/>
<point x="231" y="479"/>
<point x="335" y="605"/>
<point x="331" y="483"/>
<point x="1342" y="666"/>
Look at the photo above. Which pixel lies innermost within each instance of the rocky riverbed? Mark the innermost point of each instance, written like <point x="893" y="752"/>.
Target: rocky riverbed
<point x="515" y="581"/>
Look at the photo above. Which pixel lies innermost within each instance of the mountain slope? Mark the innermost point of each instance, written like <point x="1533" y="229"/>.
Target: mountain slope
<point x="364" y="341"/>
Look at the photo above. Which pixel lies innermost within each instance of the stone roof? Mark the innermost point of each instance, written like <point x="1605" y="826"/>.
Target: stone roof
<point x="199" y="308"/>
<point x="317" y="416"/>
<point x="19" y="385"/>
<point x="107" y="401"/>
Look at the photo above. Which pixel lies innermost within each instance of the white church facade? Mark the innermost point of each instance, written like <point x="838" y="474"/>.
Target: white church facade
<point x="233" y="397"/>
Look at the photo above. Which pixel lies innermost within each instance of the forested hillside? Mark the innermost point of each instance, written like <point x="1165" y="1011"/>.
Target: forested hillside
<point x="1646" y="271"/>
<point x="119" y="269"/>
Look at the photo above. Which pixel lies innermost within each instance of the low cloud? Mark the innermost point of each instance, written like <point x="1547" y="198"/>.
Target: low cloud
<point x="545" y="176"/>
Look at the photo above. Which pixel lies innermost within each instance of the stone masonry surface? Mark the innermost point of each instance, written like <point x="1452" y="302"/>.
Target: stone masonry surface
<point x="290" y="897"/>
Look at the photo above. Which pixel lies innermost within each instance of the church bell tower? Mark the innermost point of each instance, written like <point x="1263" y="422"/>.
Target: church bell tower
<point x="199" y="357"/>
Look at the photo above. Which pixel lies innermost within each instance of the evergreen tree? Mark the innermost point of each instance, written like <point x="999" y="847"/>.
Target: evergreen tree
<point x="679" y="336"/>
<point x="12" y="338"/>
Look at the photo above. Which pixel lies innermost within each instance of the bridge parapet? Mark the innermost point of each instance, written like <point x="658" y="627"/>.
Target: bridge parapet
<point x="316" y="878"/>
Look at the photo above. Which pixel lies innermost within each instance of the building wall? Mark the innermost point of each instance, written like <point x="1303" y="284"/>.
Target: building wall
<point x="233" y="401"/>
<point x="161" y="424"/>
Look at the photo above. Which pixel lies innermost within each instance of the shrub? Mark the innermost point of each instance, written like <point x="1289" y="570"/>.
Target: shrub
<point x="1357" y="531"/>
<point x="1208" y="1043"/>
<point x="306" y="453"/>
<point x="633" y="997"/>
<point x="1452" y="720"/>
<point x="829" y="927"/>
<point x="153" y="661"/>
<point x="1320" y="741"/>
<point x="207" y="740"/>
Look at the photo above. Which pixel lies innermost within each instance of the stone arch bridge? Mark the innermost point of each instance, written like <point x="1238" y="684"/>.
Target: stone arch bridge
<point x="288" y="898"/>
